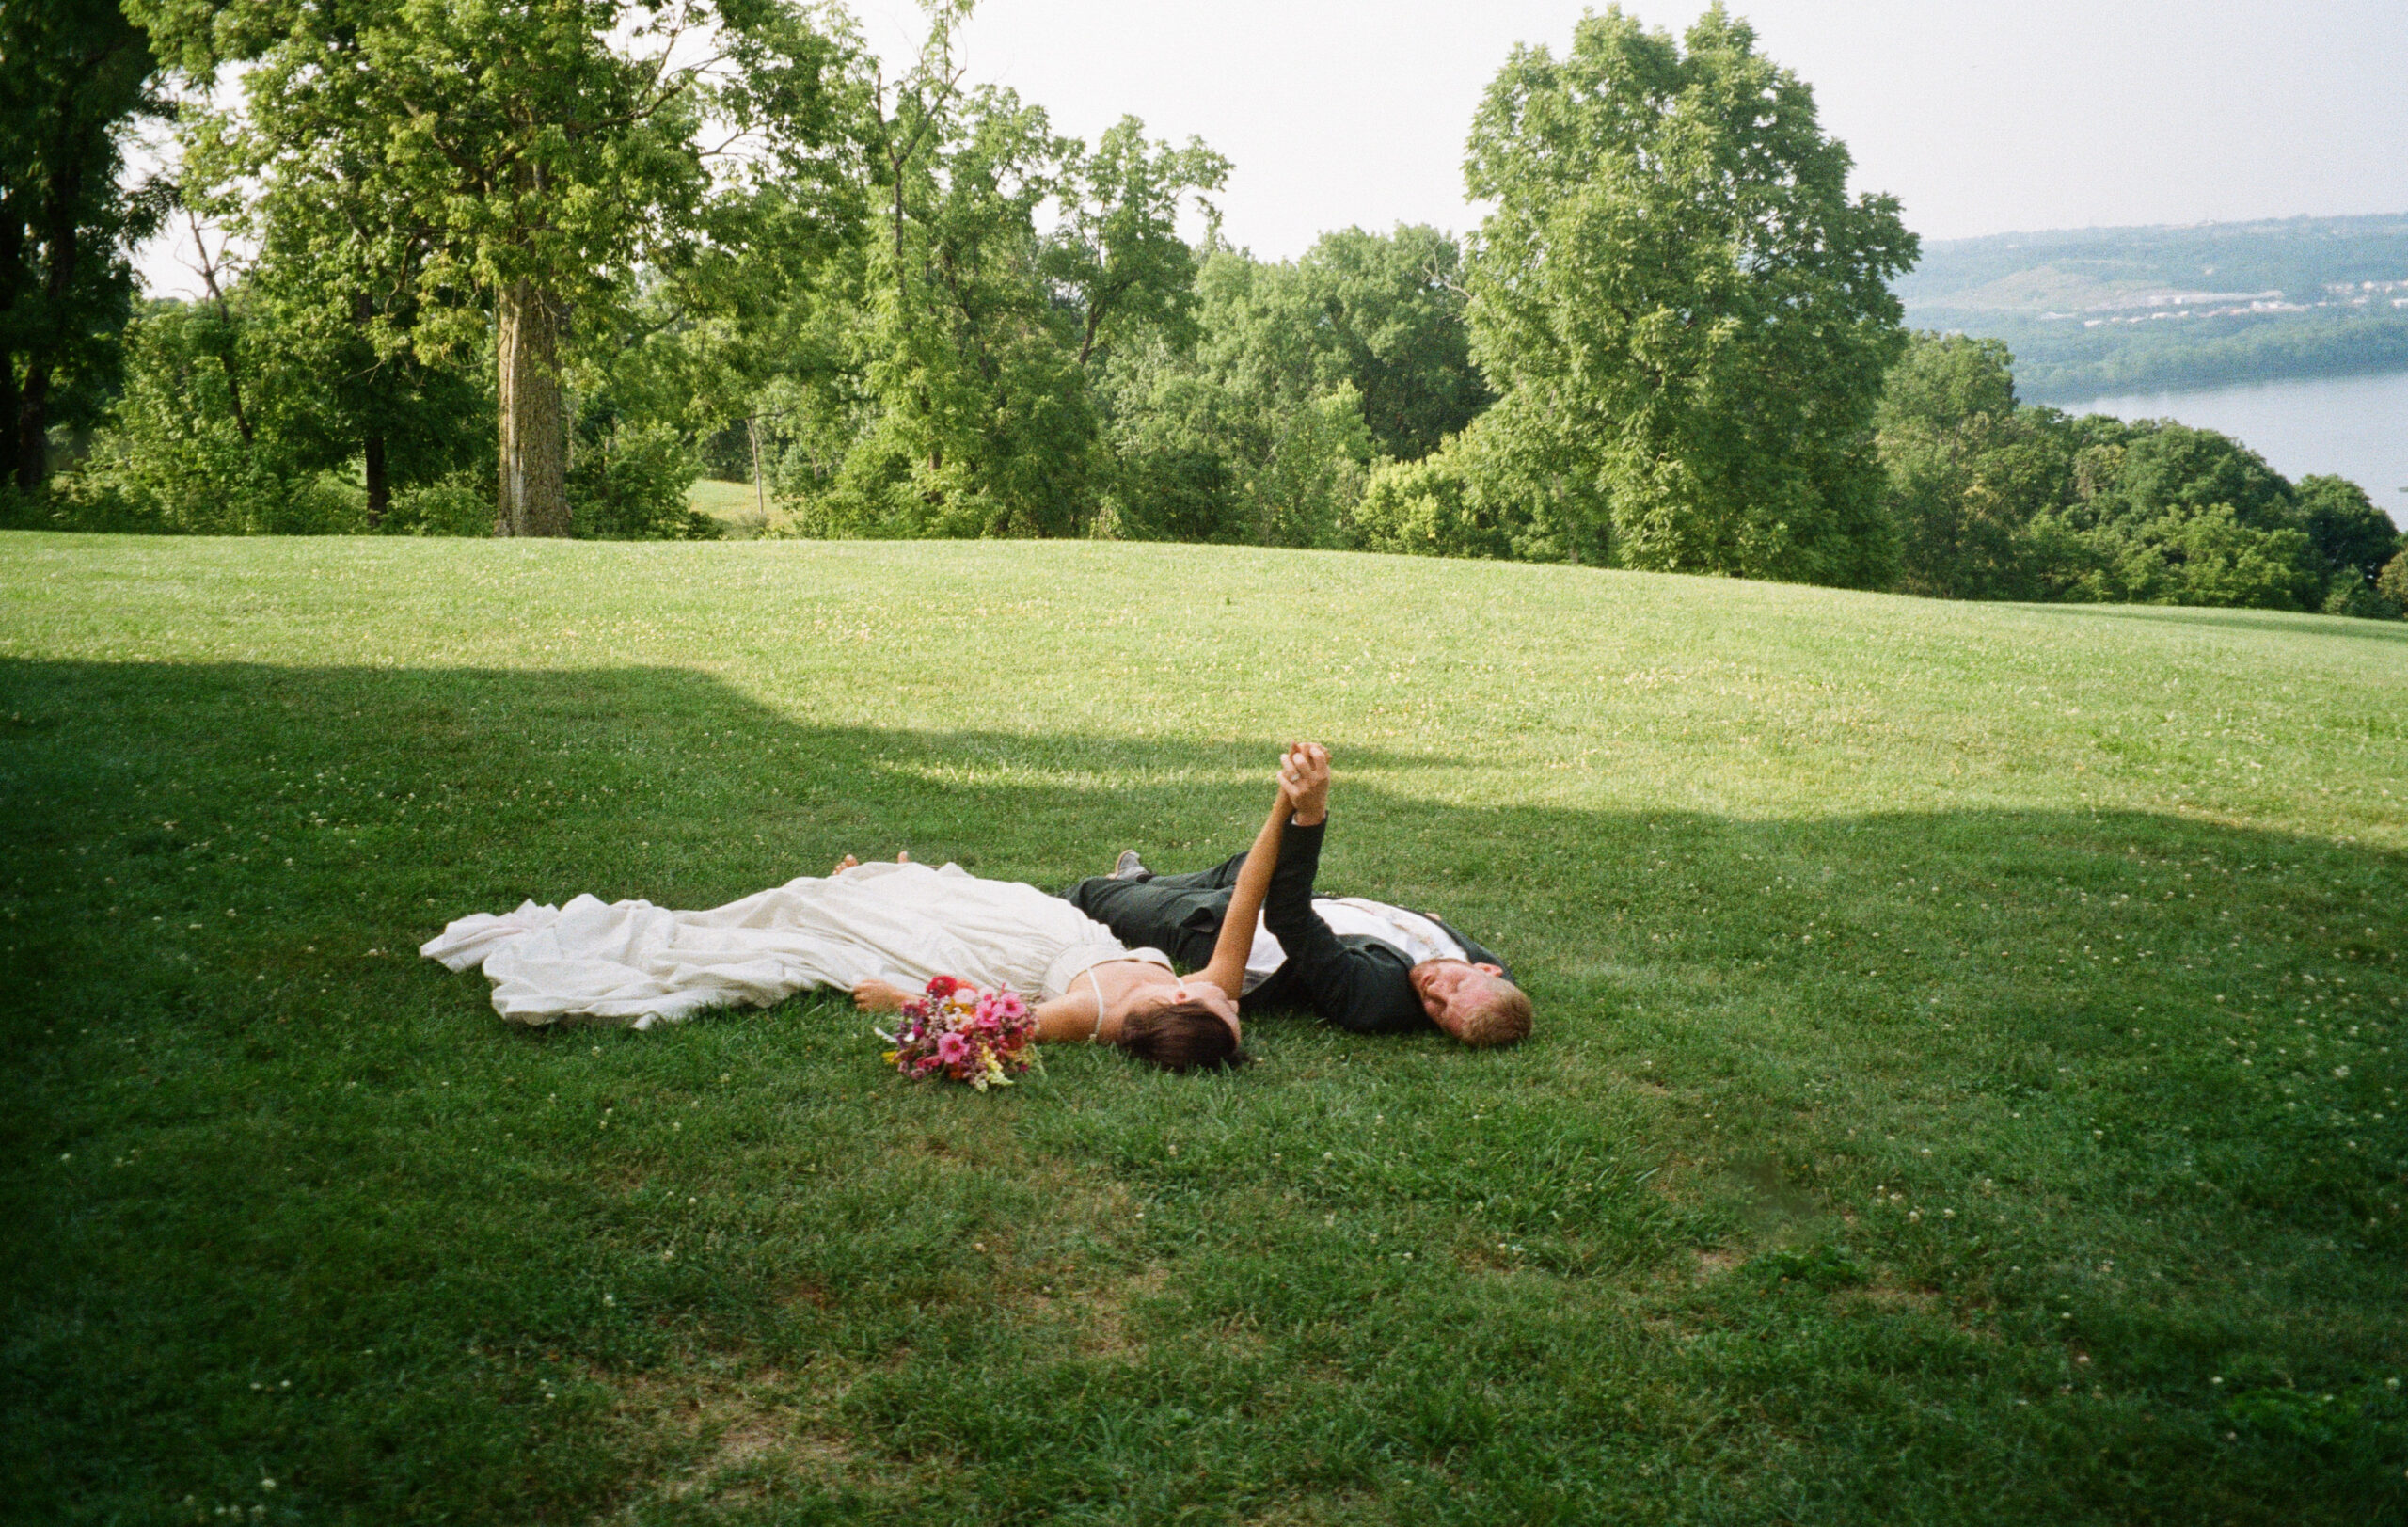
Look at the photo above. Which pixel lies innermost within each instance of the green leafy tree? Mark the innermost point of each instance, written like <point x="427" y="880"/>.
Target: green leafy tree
<point x="542" y="151"/>
<point x="1168" y="431"/>
<point x="1117" y="259"/>
<point x="629" y="480"/>
<point x="1516" y="483"/>
<point x="73" y="75"/>
<point x="2167" y="514"/>
<point x="335" y="294"/>
<point x="1680" y="296"/>
<point x="2353" y="539"/>
<point x="200" y="438"/>
<point x="974" y="338"/>
<point x="1256" y="434"/>
<point x="1429" y="508"/>
<point x="2391" y="584"/>
<point x="974" y="420"/>
<point x="1971" y="472"/>
<point x="1388" y="310"/>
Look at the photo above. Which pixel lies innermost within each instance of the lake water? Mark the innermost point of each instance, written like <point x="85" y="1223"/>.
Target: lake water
<point x="2347" y="427"/>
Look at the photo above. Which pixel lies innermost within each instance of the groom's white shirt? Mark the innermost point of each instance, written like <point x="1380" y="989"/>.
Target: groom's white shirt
<point x="1409" y="934"/>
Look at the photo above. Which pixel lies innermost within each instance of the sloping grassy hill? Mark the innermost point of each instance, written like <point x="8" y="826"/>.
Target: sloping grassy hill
<point x="1966" y="1085"/>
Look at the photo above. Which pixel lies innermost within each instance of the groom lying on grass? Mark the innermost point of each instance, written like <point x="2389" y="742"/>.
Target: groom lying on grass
<point x="1362" y="965"/>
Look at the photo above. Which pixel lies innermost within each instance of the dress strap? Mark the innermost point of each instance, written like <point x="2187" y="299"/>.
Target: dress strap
<point x="1096" y="1033"/>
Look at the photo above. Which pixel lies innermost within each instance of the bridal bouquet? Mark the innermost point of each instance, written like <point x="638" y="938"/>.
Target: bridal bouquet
<point x="953" y="1029"/>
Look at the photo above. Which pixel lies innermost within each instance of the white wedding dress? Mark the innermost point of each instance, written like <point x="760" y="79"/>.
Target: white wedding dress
<point x="630" y="962"/>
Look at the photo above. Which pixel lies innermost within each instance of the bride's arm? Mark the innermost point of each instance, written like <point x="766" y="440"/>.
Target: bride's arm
<point x="1230" y="952"/>
<point x="1069" y="1019"/>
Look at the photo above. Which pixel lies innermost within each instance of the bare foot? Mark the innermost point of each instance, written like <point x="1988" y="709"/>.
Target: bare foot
<point x="847" y="862"/>
<point x="901" y="857"/>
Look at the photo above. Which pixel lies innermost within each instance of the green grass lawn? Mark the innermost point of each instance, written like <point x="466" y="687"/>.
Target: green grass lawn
<point x="1966" y="1085"/>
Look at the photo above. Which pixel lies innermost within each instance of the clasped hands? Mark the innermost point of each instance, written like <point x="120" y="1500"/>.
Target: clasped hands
<point x="1303" y="779"/>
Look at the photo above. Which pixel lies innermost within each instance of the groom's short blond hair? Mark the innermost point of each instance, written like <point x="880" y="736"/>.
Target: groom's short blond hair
<point x="1503" y="1019"/>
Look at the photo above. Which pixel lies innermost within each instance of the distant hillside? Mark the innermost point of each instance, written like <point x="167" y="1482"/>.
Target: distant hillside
<point x="2093" y="311"/>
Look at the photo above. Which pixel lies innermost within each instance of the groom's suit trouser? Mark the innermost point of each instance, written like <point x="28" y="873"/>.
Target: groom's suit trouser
<point x="1179" y="915"/>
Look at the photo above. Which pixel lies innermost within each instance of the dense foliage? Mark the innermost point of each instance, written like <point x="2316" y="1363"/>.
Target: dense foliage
<point x="429" y="174"/>
<point x="1685" y="314"/>
<point x="561" y="260"/>
<point x="73" y="76"/>
<point x="1996" y="500"/>
<point x="2065" y="360"/>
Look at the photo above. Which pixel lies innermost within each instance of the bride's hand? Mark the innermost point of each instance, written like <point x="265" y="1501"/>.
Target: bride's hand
<point x="880" y="997"/>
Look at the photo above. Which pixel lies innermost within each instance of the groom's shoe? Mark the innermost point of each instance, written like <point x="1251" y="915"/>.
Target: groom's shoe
<point x="1130" y="866"/>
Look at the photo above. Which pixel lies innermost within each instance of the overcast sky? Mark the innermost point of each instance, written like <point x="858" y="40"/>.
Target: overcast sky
<point x="1981" y="116"/>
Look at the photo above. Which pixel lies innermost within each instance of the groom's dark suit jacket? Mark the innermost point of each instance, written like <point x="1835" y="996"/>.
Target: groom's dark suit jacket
<point x="1354" y="981"/>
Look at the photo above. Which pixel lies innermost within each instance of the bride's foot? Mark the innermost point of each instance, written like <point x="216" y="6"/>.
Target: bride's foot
<point x="848" y="862"/>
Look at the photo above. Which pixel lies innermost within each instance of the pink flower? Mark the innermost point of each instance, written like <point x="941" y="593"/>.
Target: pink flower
<point x="942" y="986"/>
<point x="953" y="1049"/>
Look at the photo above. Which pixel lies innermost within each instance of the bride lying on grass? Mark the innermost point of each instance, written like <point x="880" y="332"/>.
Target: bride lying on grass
<point x="881" y="931"/>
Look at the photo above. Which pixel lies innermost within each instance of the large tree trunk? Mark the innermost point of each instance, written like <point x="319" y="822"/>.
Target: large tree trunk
<point x="31" y="428"/>
<point x="534" y="420"/>
<point x="12" y="244"/>
<point x="380" y="486"/>
<point x="60" y="249"/>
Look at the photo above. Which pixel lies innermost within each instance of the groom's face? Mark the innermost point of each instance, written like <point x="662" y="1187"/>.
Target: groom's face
<point x="1452" y="990"/>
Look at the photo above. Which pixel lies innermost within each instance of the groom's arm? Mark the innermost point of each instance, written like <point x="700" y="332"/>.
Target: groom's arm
<point x="1327" y="973"/>
<point x="1364" y="988"/>
<point x="1361" y="989"/>
<point x="1287" y="907"/>
<point x="1304" y="774"/>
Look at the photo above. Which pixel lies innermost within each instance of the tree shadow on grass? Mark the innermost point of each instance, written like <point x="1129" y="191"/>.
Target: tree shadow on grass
<point x="274" y="1143"/>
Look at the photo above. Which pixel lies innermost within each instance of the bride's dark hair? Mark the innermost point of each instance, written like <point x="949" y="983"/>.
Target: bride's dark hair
<point x="1182" y="1036"/>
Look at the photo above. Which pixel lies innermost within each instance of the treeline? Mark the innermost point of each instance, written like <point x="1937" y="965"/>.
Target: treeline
<point x="2000" y="287"/>
<point x="1994" y="499"/>
<point x="2062" y="359"/>
<point x="2299" y="256"/>
<point x="529" y="271"/>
